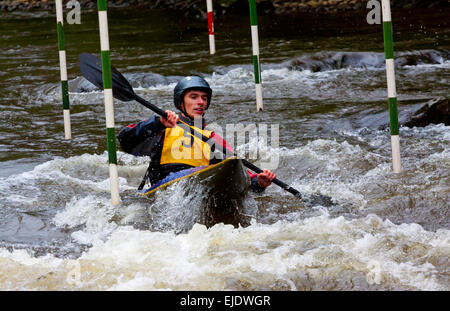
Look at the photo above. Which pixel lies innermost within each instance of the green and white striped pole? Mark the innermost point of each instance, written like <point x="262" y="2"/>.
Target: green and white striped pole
<point x="109" y="103"/>
<point x="255" y="47"/>
<point x="212" y="42"/>
<point x="391" y="89"/>
<point x="63" y="69"/>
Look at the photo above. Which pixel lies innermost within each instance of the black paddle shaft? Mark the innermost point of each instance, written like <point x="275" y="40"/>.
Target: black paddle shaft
<point x="206" y="139"/>
<point x="275" y="180"/>
<point x="150" y="106"/>
<point x="91" y="69"/>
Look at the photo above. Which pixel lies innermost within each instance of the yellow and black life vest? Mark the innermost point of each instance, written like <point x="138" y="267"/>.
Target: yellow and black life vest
<point x="180" y="146"/>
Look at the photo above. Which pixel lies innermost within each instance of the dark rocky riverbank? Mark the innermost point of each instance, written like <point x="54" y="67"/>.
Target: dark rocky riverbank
<point x="435" y="111"/>
<point x="221" y="7"/>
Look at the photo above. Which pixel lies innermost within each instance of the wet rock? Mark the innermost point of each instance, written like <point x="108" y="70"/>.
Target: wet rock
<point x="421" y="57"/>
<point x="410" y="113"/>
<point x="81" y="85"/>
<point x="433" y="112"/>
<point x="323" y="61"/>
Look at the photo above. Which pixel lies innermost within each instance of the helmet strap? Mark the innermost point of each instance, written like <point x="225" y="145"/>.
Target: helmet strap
<point x="182" y="109"/>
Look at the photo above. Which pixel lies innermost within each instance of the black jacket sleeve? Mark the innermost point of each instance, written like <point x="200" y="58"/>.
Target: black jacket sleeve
<point x="138" y="139"/>
<point x="255" y="186"/>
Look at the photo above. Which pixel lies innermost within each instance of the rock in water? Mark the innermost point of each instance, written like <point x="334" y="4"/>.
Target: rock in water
<point x="435" y="111"/>
<point x="81" y="85"/>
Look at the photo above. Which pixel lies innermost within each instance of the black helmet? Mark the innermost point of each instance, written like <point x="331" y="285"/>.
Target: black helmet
<point x="188" y="83"/>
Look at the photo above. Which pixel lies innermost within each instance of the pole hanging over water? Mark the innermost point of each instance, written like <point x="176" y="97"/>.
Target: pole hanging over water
<point x="63" y="69"/>
<point x="255" y="47"/>
<point x="109" y="103"/>
<point x="212" y="43"/>
<point x="391" y="89"/>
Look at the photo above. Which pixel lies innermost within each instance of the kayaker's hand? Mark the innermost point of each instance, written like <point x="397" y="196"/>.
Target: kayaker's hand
<point x="265" y="178"/>
<point x="172" y="119"/>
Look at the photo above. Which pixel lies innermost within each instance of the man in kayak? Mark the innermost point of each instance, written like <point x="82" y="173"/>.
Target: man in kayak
<point x="172" y="149"/>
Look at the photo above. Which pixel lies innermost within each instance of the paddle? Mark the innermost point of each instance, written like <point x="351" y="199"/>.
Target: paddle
<point x="91" y="69"/>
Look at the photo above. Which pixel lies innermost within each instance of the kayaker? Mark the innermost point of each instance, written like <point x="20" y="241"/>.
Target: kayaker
<point x="172" y="149"/>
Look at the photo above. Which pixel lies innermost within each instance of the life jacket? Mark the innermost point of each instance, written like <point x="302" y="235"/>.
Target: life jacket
<point x="184" y="147"/>
<point x="175" y="149"/>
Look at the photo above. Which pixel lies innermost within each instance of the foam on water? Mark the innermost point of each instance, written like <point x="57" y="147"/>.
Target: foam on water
<point x="359" y="81"/>
<point x="326" y="167"/>
<point x="94" y="213"/>
<point x="355" y="175"/>
<point x="317" y="253"/>
<point x="292" y="252"/>
<point x="64" y="203"/>
<point x="59" y="230"/>
<point x="85" y="172"/>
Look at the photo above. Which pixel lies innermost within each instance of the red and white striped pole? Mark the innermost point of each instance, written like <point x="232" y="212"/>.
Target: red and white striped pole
<point x="212" y="43"/>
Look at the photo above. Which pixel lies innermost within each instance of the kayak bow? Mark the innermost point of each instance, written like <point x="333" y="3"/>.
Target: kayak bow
<point x="223" y="187"/>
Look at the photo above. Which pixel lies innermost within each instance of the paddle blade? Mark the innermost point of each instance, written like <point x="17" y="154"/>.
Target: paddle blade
<point x="91" y="69"/>
<point x="318" y="199"/>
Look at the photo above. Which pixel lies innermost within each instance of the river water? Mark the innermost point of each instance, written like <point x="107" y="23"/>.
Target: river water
<point x="324" y="86"/>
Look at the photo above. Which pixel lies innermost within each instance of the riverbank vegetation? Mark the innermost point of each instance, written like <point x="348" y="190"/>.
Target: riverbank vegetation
<point x="222" y="7"/>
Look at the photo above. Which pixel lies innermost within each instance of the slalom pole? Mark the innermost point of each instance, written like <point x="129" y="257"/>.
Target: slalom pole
<point x="391" y="89"/>
<point x="255" y="46"/>
<point x="63" y="69"/>
<point x="109" y="103"/>
<point x="212" y="43"/>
